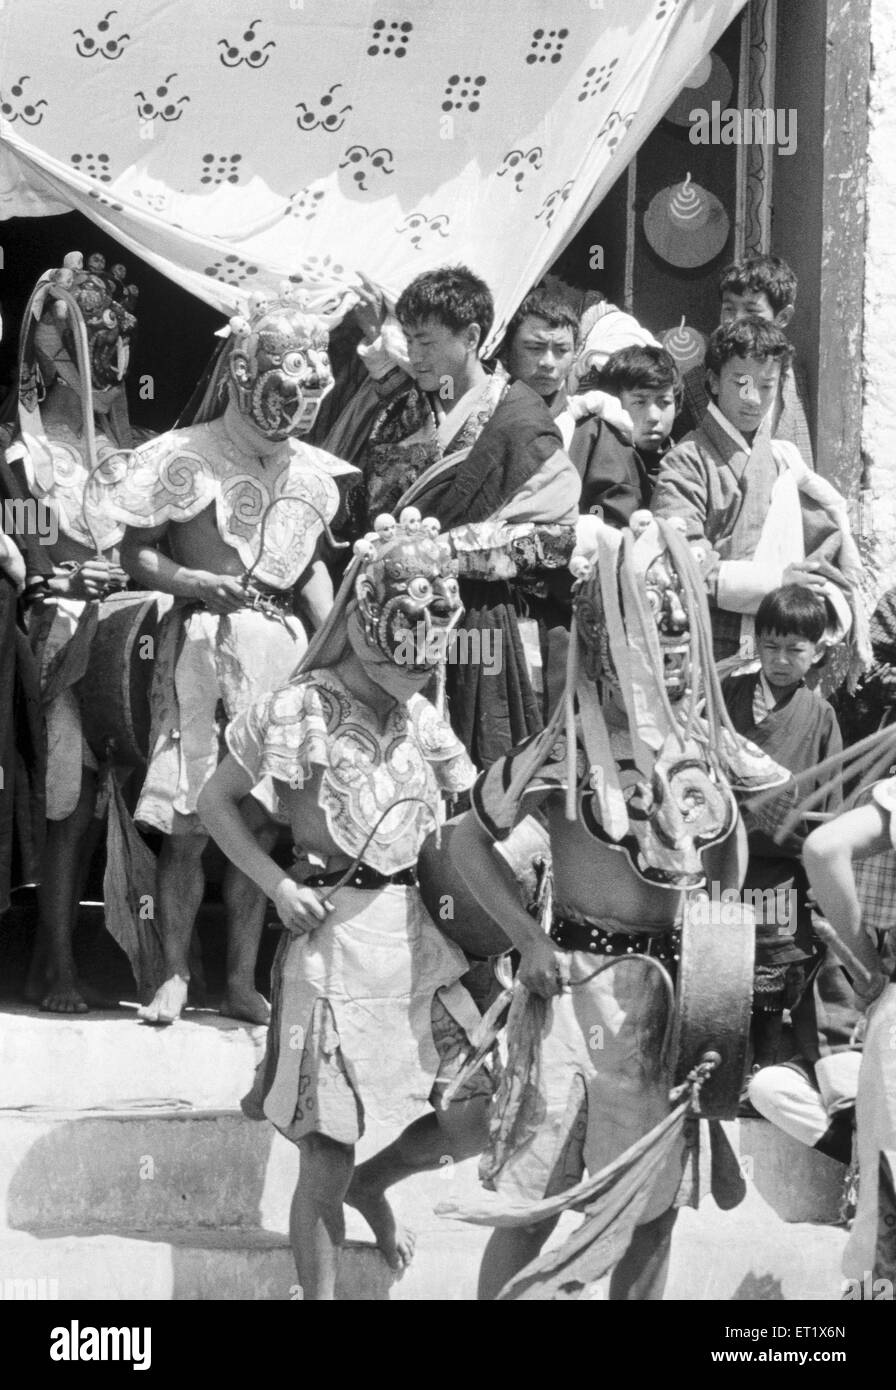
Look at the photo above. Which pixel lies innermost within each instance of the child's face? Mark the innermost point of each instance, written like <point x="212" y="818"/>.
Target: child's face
<point x="746" y="389"/>
<point x="753" y="303"/>
<point x="652" y="412"/>
<point x="541" y="355"/>
<point x="786" y="659"/>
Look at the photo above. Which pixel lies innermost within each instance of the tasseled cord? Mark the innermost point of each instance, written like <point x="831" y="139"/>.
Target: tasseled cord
<point x="704" y="677"/>
<point x="867" y="761"/>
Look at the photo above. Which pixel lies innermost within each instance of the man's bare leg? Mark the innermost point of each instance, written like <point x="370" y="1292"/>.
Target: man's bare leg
<point x="52" y="978"/>
<point x="245" y="910"/>
<point x="456" y="1133"/>
<point x="508" y="1251"/>
<point x="180" y="884"/>
<point x="316" y="1220"/>
<point x="642" y="1272"/>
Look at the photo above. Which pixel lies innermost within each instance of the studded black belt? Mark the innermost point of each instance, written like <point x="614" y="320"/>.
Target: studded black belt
<point x="265" y="599"/>
<point x="365" y="877"/>
<point x="581" y="936"/>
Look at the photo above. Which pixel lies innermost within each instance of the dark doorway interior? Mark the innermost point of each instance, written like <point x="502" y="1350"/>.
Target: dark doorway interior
<point x="175" y="336"/>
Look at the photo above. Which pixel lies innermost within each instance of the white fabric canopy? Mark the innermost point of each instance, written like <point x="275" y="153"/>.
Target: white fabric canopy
<point x="313" y="139"/>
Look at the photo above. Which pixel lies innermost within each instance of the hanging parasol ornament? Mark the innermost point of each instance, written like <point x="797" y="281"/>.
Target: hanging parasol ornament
<point x="686" y="345"/>
<point x="710" y="81"/>
<point x="686" y="225"/>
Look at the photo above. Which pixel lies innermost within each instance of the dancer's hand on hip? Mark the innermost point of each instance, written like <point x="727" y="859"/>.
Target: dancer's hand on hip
<point x="300" y="909"/>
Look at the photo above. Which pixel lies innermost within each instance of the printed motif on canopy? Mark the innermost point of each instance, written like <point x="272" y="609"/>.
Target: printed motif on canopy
<point x="233" y="146"/>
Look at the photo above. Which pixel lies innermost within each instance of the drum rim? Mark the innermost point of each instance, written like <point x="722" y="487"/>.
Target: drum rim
<point x="143" y="601"/>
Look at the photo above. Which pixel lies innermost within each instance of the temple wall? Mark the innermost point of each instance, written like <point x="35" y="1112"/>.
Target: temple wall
<point x="879" y="347"/>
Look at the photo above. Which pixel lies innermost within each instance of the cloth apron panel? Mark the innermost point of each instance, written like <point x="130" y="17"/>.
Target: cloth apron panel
<point x="378" y="961"/>
<point x="202" y="659"/>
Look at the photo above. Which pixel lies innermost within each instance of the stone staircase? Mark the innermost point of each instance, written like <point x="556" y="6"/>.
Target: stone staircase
<point x="128" y="1171"/>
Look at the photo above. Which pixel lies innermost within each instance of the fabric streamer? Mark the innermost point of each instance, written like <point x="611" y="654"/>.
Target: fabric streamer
<point x="612" y="1202"/>
<point x="129" y="882"/>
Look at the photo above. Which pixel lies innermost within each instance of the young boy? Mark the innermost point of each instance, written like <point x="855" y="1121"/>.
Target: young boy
<point x="764" y="287"/>
<point x="539" y="347"/>
<point x="619" y="467"/>
<point x="830" y="856"/>
<point x="797" y="728"/>
<point x="759" y="515"/>
<point x="367" y="1008"/>
<point x="538" y="350"/>
<point x="441" y="408"/>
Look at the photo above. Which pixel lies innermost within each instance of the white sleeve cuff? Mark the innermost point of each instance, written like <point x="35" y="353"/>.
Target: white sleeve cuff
<point x="743" y="584"/>
<point x="590" y="403"/>
<point x="842" y="613"/>
<point x="387" y="351"/>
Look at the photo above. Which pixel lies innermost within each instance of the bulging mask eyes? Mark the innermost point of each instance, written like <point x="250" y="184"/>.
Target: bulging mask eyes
<point x="420" y="589"/>
<point x="655" y="600"/>
<point x="294" y="363"/>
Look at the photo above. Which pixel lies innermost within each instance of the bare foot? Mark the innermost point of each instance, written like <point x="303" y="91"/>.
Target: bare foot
<point x="64" y="997"/>
<point x="62" y="992"/>
<point x="168" y="1003"/>
<point x="247" y="1004"/>
<point x="396" y="1242"/>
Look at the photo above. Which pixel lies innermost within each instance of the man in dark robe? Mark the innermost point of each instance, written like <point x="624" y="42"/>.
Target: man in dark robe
<point x="510" y="507"/>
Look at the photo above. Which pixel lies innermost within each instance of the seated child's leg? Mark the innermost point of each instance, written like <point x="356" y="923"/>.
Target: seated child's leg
<point x="316" y="1219"/>
<point x="791" y="1100"/>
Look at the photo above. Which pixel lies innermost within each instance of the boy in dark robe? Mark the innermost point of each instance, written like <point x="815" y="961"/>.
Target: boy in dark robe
<point x="798" y="729"/>
<point x="619" y="468"/>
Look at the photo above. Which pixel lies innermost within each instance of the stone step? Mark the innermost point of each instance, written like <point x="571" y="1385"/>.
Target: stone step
<point x="144" y="1170"/>
<point x="151" y="1168"/>
<point x="188" y="1264"/>
<point x="750" y="1253"/>
<point x="742" y="1256"/>
<point x="127" y="1170"/>
<point x="98" y="1060"/>
<point x="797" y="1183"/>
